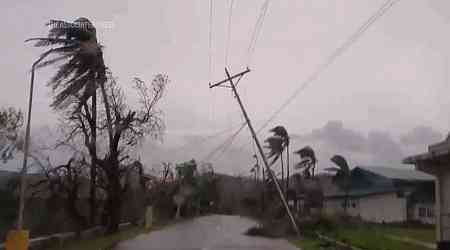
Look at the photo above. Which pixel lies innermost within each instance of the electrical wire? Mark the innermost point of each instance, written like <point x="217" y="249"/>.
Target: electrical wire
<point x="227" y="142"/>
<point x="332" y="58"/>
<point x="256" y="31"/>
<point x="210" y="137"/>
<point x="210" y="54"/>
<point x="230" y="17"/>
<point x="230" y="142"/>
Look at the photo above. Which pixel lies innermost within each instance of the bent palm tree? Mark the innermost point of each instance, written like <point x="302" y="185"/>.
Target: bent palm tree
<point x="342" y="176"/>
<point x="281" y="132"/>
<point x="307" y="162"/>
<point x="81" y="71"/>
<point x="275" y="146"/>
<point x="83" y="66"/>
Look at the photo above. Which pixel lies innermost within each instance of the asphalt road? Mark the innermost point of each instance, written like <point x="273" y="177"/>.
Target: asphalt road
<point x="215" y="232"/>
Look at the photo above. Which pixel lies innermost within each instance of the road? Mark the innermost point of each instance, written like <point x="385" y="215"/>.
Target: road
<point x="215" y="232"/>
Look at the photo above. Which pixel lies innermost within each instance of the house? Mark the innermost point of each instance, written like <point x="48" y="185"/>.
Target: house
<point x="437" y="162"/>
<point x="381" y="194"/>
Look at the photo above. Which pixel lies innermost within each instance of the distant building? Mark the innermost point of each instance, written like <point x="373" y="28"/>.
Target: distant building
<point x="380" y="194"/>
<point x="437" y="162"/>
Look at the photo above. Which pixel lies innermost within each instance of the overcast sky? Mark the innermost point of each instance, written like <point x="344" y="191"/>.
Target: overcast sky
<point x="388" y="92"/>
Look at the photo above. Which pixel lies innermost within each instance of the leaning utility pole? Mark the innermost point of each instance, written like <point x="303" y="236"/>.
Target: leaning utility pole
<point x="261" y="152"/>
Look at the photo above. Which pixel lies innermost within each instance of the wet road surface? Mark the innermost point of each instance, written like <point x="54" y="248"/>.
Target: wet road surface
<point x="215" y="232"/>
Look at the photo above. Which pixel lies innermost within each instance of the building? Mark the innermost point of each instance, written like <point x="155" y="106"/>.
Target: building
<point x="437" y="162"/>
<point x="383" y="195"/>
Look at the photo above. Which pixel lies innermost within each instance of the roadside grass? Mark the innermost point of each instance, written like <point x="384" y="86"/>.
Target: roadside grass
<point x="364" y="236"/>
<point x="106" y="242"/>
<point x="307" y="243"/>
<point x="420" y="234"/>
<point x="371" y="238"/>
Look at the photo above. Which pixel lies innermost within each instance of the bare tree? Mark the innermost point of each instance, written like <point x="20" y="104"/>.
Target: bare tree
<point x="64" y="181"/>
<point x="126" y="128"/>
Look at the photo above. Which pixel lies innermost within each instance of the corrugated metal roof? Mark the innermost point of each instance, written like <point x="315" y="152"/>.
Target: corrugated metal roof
<point x="435" y="151"/>
<point x="399" y="173"/>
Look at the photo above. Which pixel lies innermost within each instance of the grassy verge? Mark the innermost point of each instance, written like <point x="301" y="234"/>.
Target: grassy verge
<point x="371" y="238"/>
<point x="106" y="242"/>
<point x="307" y="244"/>
<point x="420" y="234"/>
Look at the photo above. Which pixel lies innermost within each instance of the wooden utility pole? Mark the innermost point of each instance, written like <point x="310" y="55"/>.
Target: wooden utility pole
<point x="258" y="145"/>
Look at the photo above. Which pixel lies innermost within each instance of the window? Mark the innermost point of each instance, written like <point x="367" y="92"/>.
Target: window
<point x="422" y="212"/>
<point x="351" y="204"/>
<point x="430" y="213"/>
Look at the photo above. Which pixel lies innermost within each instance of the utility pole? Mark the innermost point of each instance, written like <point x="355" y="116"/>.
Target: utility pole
<point x="258" y="145"/>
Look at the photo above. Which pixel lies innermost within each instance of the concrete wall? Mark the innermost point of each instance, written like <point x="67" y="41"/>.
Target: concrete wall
<point x="374" y="208"/>
<point x="443" y="204"/>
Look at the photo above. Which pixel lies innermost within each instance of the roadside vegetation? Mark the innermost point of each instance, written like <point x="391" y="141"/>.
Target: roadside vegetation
<point x="362" y="236"/>
<point x="104" y="242"/>
<point x="425" y="234"/>
<point x="373" y="238"/>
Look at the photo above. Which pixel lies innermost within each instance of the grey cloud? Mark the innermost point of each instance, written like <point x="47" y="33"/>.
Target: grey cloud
<point x="383" y="148"/>
<point x="375" y="148"/>
<point x="421" y="135"/>
<point x="339" y="137"/>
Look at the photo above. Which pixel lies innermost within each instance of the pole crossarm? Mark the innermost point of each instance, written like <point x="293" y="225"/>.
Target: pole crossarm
<point x="228" y="79"/>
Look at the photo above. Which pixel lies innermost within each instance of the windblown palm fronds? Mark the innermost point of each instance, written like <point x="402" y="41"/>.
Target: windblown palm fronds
<point x="307" y="162"/>
<point x="75" y="47"/>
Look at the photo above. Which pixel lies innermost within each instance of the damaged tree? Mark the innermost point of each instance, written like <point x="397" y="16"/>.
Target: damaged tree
<point x="125" y="128"/>
<point x="64" y="181"/>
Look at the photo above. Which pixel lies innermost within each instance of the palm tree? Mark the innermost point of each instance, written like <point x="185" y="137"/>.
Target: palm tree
<point x="81" y="70"/>
<point x="275" y="146"/>
<point x="83" y="67"/>
<point x="307" y="162"/>
<point x="342" y="176"/>
<point x="280" y="142"/>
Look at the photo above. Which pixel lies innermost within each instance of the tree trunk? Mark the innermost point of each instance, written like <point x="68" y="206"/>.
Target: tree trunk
<point x="93" y="170"/>
<point x="263" y="183"/>
<point x="287" y="169"/>
<point x="347" y="191"/>
<point x="115" y="189"/>
<point x="282" y="170"/>
<point x="108" y="117"/>
<point x="115" y="196"/>
<point x="79" y="219"/>
<point x="177" y="215"/>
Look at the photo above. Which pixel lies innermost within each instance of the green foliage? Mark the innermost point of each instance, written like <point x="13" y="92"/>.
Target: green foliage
<point x="186" y="171"/>
<point x="420" y="234"/>
<point x="307" y="243"/>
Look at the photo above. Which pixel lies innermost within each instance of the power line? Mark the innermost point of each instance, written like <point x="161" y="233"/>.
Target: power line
<point x="211" y="136"/>
<point x="210" y="56"/>
<point x="258" y="24"/>
<point x="332" y="58"/>
<point x="223" y="145"/>
<point x="230" y="17"/>
<point x="210" y="39"/>
<point x="230" y="142"/>
<point x="257" y="30"/>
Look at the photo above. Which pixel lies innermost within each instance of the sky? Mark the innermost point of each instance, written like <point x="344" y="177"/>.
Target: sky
<point x="385" y="98"/>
